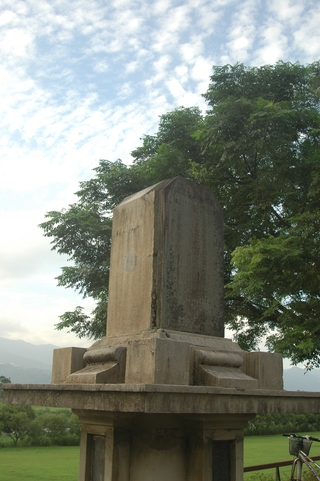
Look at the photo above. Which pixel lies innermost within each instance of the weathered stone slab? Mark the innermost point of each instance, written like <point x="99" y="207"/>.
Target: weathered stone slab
<point x="166" y="266"/>
<point x="266" y="367"/>
<point x="66" y="361"/>
<point x="162" y="356"/>
<point x="162" y="399"/>
<point x="102" y="366"/>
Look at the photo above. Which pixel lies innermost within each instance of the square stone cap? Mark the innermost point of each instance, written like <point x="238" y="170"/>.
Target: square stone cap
<point x="160" y="399"/>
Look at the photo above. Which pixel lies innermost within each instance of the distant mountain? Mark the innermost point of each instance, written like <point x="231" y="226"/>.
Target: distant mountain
<point x="19" y="375"/>
<point x="26" y="354"/>
<point x="26" y="363"/>
<point x="296" y="379"/>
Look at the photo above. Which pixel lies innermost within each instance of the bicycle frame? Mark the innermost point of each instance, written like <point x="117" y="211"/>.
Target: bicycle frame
<point x="295" y="443"/>
<point x="307" y="461"/>
<point x="297" y="464"/>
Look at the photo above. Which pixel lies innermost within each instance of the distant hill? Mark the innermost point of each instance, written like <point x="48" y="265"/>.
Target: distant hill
<point x="26" y="354"/>
<point x="296" y="379"/>
<point x="26" y="363"/>
<point x="19" y="375"/>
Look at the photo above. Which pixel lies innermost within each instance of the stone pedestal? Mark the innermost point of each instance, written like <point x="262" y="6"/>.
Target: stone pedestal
<point x="173" y="432"/>
<point x="161" y="447"/>
<point x="164" y="396"/>
<point x="168" y="357"/>
<point x="165" y="312"/>
<point x="165" y="327"/>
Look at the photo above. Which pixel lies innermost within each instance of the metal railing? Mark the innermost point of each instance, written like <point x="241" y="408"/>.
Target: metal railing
<point x="261" y="467"/>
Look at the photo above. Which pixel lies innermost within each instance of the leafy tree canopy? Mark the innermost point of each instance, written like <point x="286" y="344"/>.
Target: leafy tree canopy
<point x="257" y="148"/>
<point x="15" y="421"/>
<point x="3" y="380"/>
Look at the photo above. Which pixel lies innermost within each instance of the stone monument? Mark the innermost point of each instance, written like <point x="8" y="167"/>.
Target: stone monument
<point x="164" y="396"/>
<point x="165" y="313"/>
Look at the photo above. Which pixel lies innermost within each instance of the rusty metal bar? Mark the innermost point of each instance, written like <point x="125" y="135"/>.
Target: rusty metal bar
<point x="260" y="467"/>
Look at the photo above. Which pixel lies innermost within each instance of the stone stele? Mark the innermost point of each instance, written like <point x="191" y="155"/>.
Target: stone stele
<point x="167" y="261"/>
<point x="164" y="396"/>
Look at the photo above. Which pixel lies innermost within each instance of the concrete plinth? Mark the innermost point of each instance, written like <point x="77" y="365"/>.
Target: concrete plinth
<point x="161" y="399"/>
<point x="161" y="356"/>
<point x="162" y="447"/>
<point x="164" y="396"/>
<point x="142" y="432"/>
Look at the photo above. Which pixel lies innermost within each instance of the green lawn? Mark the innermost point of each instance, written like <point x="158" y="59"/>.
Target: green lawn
<point x="270" y="449"/>
<point x="39" y="464"/>
<point x="61" y="463"/>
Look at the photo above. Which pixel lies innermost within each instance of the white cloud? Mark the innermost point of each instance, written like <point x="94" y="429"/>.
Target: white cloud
<point x="33" y="319"/>
<point x="201" y="69"/>
<point x="30" y="301"/>
<point x="207" y="17"/>
<point x="16" y="43"/>
<point x="307" y="35"/>
<point x="12" y="330"/>
<point x="160" y="7"/>
<point x="8" y="18"/>
<point x="23" y="249"/>
<point x="182" y="72"/>
<point x="170" y="28"/>
<point x="192" y="49"/>
<point x="84" y="80"/>
<point x="274" y="44"/>
<point x="160" y="67"/>
<point x="180" y="91"/>
<point x="177" y="19"/>
<point x="176" y="88"/>
<point x="288" y="12"/>
<point x="101" y="66"/>
<point x="242" y="32"/>
<point x="132" y="66"/>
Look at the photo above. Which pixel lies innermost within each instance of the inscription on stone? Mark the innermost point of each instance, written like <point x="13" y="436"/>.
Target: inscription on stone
<point x="167" y="261"/>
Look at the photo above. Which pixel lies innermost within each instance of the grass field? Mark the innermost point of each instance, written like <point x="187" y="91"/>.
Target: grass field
<point x="271" y="449"/>
<point x="53" y="463"/>
<point x="61" y="463"/>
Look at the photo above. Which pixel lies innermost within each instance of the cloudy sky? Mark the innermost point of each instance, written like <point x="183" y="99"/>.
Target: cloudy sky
<point x="82" y="80"/>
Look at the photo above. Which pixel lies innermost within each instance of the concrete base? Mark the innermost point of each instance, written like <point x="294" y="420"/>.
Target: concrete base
<point x="167" y="447"/>
<point x="168" y="357"/>
<point x="153" y="399"/>
<point x="165" y="397"/>
<point x="162" y="433"/>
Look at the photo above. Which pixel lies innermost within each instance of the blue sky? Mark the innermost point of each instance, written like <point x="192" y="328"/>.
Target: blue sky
<point x="83" y="80"/>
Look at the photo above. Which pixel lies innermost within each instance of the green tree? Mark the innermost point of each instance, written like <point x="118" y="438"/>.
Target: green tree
<point x="173" y="149"/>
<point x="263" y="132"/>
<point x="282" y="423"/>
<point x="58" y="429"/>
<point x="3" y="380"/>
<point x="257" y="148"/>
<point x="15" y="421"/>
